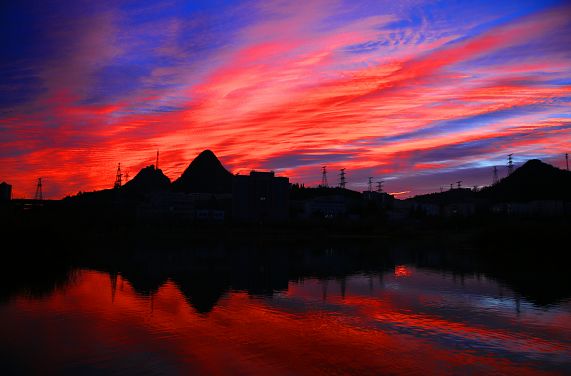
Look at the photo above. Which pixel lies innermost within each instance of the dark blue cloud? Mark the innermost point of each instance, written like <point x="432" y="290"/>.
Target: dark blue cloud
<point x="114" y="82"/>
<point x="462" y="124"/>
<point x="298" y="158"/>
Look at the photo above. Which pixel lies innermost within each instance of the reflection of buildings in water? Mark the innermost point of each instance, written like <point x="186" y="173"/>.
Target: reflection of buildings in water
<point x="204" y="275"/>
<point x="203" y="278"/>
<point x="113" y="282"/>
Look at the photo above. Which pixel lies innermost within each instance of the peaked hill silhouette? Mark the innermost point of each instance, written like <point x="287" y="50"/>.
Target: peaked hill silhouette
<point x="534" y="180"/>
<point x="148" y="180"/>
<point x="205" y="174"/>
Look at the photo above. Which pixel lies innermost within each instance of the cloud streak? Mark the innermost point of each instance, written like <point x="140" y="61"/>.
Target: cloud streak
<point x="393" y="92"/>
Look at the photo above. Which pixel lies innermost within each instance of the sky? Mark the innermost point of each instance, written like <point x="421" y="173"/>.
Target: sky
<point x="419" y="94"/>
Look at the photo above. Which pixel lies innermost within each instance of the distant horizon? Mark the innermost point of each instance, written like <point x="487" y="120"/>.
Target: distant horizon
<point x="398" y="195"/>
<point x="417" y="94"/>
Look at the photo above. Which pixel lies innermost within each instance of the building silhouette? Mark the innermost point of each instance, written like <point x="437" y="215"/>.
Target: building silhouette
<point x="260" y="196"/>
<point x="5" y="191"/>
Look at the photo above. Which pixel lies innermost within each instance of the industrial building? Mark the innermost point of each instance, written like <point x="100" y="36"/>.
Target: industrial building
<point x="260" y="197"/>
<point x="5" y="191"/>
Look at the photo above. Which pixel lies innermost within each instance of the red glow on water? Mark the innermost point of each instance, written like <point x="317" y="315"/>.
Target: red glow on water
<point x="93" y="321"/>
<point x="402" y="271"/>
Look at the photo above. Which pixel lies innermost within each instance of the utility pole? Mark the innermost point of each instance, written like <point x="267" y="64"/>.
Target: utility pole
<point x="567" y="160"/>
<point x="157" y="163"/>
<point x="342" y="180"/>
<point x="39" y="194"/>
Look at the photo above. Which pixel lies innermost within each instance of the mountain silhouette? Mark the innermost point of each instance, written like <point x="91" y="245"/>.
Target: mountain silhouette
<point x="148" y="180"/>
<point x="205" y="174"/>
<point x="535" y="180"/>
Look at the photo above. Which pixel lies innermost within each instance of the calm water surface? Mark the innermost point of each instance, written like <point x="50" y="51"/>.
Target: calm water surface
<point x="283" y="312"/>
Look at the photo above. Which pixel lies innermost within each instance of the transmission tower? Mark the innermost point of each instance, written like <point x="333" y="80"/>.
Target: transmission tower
<point x="324" y="183"/>
<point x="370" y="184"/>
<point x="126" y="176"/>
<point x="496" y="179"/>
<point x="39" y="194"/>
<point x="459" y="182"/>
<point x="510" y="164"/>
<point x="342" y="180"/>
<point x="380" y="186"/>
<point x="118" y="177"/>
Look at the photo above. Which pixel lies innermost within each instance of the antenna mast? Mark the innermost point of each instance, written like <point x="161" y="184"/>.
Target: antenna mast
<point x="157" y="163"/>
<point x="118" y="177"/>
<point x="370" y="184"/>
<point x="324" y="183"/>
<point x="567" y="160"/>
<point x="496" y="179"/>
<point x="39" y="194"/>
<point x="342" y="180"/>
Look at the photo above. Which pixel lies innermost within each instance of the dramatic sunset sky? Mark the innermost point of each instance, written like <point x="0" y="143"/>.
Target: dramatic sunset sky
<point x="417" y="93"/>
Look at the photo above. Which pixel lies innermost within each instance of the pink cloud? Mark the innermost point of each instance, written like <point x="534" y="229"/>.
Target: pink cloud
<point x="284" y="84"/>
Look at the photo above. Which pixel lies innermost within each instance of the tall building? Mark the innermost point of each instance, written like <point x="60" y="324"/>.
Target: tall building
<point x="260" y="196"/>
<point x="5" y="191"/>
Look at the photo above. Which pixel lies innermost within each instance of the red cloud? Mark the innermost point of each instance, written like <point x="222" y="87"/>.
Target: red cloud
<point x="286" y="85"/>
